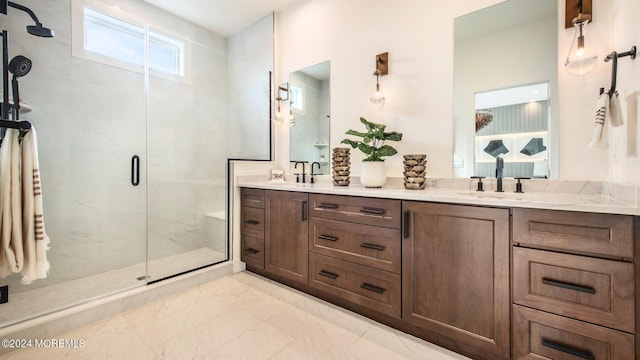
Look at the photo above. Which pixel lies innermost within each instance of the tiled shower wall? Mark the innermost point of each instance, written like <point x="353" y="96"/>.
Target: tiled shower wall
<point x="91" y="118"/>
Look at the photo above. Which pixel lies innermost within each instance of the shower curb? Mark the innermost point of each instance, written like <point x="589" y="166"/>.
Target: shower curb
<point x="59" y="322"/>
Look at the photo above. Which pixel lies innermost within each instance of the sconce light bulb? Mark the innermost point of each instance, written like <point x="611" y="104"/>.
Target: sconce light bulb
<point x="581" y="58"/>
<point x="377" y="99"/>
<point x="279" y="117"/>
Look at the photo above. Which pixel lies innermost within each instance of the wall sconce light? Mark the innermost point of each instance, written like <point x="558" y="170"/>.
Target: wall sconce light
<point x="283" y="95"/>
<point x="582" y="57"/>
<point x="382" y="68"/>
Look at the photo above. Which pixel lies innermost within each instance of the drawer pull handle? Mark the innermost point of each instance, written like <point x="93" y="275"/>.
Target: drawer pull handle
<point x="252" y="222"/>
<point x="304" y="211"/>
<point x="405" y="224"/>
<point x="327" y="206"/>
<point x="328" y="238"/>
<point x="564" y="285"/>
<point x="328" y="274"/>
<point x="372" y="211"/>
<point x="252" y="251"/>
<point x="582" y="354"/>
<point x="373" y="288"/>
<point x="372" y="246"/>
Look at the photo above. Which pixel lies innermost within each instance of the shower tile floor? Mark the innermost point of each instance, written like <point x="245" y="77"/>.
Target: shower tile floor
<point x="24" y="305"/>
<point x="240" y="316"/>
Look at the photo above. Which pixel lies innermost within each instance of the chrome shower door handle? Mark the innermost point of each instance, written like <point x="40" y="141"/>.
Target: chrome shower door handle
<point x="135" y="170"/>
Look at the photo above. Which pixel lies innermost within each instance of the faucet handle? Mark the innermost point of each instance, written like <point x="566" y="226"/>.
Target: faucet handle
<point x="297" y="177"/>
<point x="519" y="184"/>
<point x="480" y="185"/>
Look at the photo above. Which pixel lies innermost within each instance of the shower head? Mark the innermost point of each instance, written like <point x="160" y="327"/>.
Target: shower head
<point x="37" y="29"/>
<point x="20" y="66"/>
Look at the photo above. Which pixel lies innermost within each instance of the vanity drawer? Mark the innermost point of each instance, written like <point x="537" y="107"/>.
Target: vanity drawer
<point x="252" y="251"/>
<point x="539" y="335"/>
<point x="252" y="222"/>
<point x="587" y="233"/>
<point x="363" y="244"/>
<point x="370" y="211"/>
<point x="595" y="290"/>
<point x="375" y="289"/>
<point x="252" y="198"/>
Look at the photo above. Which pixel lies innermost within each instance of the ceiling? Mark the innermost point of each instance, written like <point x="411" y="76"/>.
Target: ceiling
<point x="223" y="17"/>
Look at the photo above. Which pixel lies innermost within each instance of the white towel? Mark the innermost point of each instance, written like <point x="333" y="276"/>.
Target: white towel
<point x="35" y="239"/>
<point x="615" y="112"/>
<point x="601" y="114"/>
<point x="11" y="251"/>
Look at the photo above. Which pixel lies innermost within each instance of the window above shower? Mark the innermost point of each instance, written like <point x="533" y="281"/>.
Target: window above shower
<point x="108" y="35"/>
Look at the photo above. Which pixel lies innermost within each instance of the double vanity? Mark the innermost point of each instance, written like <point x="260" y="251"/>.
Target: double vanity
<point x="488" y="275"/>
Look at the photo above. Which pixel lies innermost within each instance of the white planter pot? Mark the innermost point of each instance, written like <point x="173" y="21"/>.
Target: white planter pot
<point x="373" y="174"/>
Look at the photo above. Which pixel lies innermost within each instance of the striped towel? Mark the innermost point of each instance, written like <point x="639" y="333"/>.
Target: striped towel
<point x="601" y="114"/>
<point x="35" y="239"/>
<point x="11" y="249"/>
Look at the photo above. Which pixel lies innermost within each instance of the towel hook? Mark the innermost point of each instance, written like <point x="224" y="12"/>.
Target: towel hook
<point x="614" y="56"/>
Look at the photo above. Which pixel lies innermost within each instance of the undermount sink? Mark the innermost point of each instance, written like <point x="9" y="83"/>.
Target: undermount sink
<point x="501" y="195"/>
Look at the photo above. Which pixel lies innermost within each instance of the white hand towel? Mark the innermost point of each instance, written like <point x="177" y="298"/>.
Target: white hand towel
<point x="11" y="250"/>
<point x="35" y="239"/>
<point x="615" y="112"/>
<point x="601" y="113"/>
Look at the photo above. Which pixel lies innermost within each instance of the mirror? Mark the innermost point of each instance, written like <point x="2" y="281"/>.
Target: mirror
<point x="309" y="118"/>
<point x="513" y="123"/>
<point x="503" y="53"/>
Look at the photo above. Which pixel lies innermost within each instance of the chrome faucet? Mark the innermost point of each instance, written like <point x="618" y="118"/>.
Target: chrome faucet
<point x="313" y="164"/>
<point x="304" y="172"/>
<point x="499" y="170"/>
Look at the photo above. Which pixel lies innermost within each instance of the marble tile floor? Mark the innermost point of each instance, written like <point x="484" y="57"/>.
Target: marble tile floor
<point x="240" y="316"/>
<point x="26" y="304"/>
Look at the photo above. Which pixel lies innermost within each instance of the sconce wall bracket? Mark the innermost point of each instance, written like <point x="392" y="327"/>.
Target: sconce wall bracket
<point x="283" y="92"/>
<point x="382" y="64"/>
<point x="572" y="10"/>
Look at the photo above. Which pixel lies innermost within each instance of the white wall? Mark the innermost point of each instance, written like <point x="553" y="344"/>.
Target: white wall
<point x="419" y="38"/>
<point x="624" y="158"/>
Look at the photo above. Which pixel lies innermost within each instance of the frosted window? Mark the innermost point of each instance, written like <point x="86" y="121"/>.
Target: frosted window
<point x="120" y="40"/>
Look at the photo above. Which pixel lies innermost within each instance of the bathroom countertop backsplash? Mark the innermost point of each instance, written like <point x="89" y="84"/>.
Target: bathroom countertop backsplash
<point x="567" y="195"/>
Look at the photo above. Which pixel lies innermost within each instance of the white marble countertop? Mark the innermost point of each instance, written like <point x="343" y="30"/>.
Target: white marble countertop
<point x="547" y="194"/>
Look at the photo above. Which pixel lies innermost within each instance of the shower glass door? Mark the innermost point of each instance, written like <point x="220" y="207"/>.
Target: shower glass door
<point x="186" y="104"/>
<point x="90" y="121"/>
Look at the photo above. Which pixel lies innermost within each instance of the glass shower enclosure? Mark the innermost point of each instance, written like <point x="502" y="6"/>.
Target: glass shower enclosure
<point x="132" y="159"/>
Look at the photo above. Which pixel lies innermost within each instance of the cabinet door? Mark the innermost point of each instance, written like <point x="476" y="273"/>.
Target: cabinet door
<point x="455" y="269"/>
<point x="286" y="235"/>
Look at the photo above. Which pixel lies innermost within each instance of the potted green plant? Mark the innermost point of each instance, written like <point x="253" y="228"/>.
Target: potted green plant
<point x="373" y="173"/>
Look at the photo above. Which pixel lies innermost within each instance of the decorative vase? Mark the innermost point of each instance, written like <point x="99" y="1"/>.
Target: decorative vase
<point x="415" y="170"/>
<point x="373" y="174"/>
<point x="341" y="165"/>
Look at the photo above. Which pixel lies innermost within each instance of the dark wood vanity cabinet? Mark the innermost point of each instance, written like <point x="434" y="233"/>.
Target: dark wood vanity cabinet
<point x="574" y="285"/>
<point x="455" y="275"/>
<point x="252" y="227"/>
<point x="489" y="283"/>
<point x="354" y="246"/>
<point x="286" y="235"/>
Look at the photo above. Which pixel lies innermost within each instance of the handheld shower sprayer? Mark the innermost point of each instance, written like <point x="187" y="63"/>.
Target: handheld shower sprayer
<point x="19" y="66"/>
